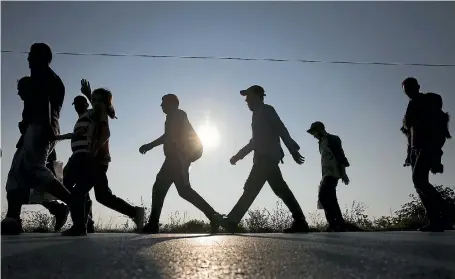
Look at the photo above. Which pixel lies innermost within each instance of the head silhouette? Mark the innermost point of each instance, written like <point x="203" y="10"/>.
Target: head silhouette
<point x="254" y="96"/>
<point x="169" y="103"/>
<point x="80" y="104"/>
<point x="317" y="130"/>
<point x="411" y="87"/>
<point x="39" y="56"/>
<point x="102" y="102"/>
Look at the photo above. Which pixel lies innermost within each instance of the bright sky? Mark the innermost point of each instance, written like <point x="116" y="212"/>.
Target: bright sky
<point x="362" y="104"/>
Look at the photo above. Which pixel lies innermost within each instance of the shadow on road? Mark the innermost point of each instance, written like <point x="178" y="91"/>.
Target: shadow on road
<point x="95" y="256"/>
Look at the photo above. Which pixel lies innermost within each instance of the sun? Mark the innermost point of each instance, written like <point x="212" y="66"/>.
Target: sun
<point x="209" y="135"/>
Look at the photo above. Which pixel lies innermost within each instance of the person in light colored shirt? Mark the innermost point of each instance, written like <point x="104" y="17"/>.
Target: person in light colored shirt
<point x="95" y="172"/>
<point x="333" y="166"/>
<point x="182" y="147"/>
<point x="268" y="129"/>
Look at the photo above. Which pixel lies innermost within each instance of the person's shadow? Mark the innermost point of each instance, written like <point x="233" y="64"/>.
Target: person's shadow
<point x="49" y="256"/>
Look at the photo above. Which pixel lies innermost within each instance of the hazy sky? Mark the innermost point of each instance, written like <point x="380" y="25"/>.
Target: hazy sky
<point x="362" y="104"/>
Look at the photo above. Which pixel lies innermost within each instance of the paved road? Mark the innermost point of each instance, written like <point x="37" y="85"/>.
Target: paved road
<point x="317" y="255"/>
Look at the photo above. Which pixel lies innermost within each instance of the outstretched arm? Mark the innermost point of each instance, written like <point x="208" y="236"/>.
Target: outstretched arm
<point x="242" y="153"/>
<point x="247" y="149"/>
<point x="282" y="131"/>
<point x="159" y="141"/>
<point x="64" y="136"/>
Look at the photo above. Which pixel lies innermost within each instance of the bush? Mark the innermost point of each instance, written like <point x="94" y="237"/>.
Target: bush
<point x="410" y="216"/>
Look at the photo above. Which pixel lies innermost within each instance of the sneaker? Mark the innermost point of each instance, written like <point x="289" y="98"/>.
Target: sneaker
<point x="90" y="227"/>
<point x="432" y="227"/>
<point x="74" y="231"/>
<point x="150" y="228"/>
<point x="215" y="222"/>
<point x="228" y="225"/>
<point x="139" y="218"/>
<point x="61" y="217"/>
<point x="11" y="226"/>
<point x="339" y="229"/>
<point x="448" y="227"/>
<point x="298" y="226"/>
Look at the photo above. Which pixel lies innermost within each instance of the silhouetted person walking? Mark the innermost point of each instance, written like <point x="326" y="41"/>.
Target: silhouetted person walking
<point x="333" y="164"/>
<point x="60" y="211"/>
<point x="267" y="130"/>
<point x="182" y="146"/>
<point x="428" y="130"/>
<point x="74" y="169"/>
<point x="29" y="167"/>
<point x="96" y="166"/>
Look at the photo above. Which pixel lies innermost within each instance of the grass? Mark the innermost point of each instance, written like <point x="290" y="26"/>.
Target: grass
<point x="256" y="221"/>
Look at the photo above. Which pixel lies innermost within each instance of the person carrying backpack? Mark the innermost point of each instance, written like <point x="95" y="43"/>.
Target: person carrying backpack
<point x="182" y="147"/>
<point x="427" y="129"/>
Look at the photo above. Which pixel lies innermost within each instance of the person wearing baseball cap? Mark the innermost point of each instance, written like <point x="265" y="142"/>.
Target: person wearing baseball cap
<point x="181" y="146"/>
<point x="74" y="168"/>
<point x="334" y="164"/>
<point x="268" y="129"/>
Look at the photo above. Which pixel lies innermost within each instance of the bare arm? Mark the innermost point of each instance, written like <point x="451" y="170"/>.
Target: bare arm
<point x="64" y="136"/>
<point x="282" y="131"/>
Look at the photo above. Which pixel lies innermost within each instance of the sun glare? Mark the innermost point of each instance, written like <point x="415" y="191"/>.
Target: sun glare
<point x="209" y="135"/>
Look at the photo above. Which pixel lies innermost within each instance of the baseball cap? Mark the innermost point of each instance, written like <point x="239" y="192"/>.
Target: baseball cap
<point x="172" y="98"/>
<point x="255" y="89"/>
<point x="318" y="125"/>
<point x="80" y="99"/>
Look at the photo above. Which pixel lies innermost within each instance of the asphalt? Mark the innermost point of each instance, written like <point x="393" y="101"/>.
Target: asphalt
<point x="391" y="255"/>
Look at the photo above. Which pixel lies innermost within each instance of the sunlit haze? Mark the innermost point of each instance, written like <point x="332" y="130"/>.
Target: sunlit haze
<point x="209" y="135"/>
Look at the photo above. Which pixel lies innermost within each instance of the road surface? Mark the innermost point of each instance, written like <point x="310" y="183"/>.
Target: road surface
<point x="318" y="255"/>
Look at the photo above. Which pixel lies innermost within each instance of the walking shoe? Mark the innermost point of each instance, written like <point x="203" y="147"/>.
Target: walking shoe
<point x="139" y="218"/>
<point x="215" y="223"/>
<point x="61" y="216"/>
<point x="90" y="226"/>
<point x="448" y="227"/>
<point x="432" y="227"/>
<point x="336" y="229"/>
<point x="150" y="228"/>
<point x="299" y="225"/>
<point x="228" y="225"/>
<point x="75" y="231"/>
<point x="11" y="226"/>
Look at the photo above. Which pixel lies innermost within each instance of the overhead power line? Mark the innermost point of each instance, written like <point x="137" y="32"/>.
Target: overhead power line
<point x="242" y="59"/>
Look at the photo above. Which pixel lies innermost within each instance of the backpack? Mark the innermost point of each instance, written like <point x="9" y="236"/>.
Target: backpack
<point x="196" y="149"/>
<point x="441" y="118"/>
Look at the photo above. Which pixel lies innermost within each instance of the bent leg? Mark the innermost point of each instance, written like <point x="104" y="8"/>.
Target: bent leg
<point x="163" y="182"/>
<point x="182" y="183"/>
<point x="431" y="199"/>
<point x="282" y="190"/>
<point x="253" y="185"/>
<point x="104" y="195"/>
